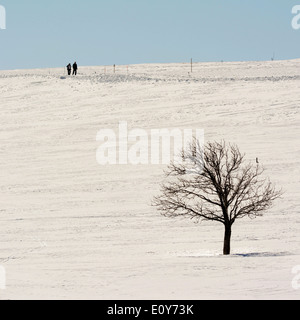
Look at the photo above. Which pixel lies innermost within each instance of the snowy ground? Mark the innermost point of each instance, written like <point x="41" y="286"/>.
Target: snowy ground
<point x="72" y="229"/>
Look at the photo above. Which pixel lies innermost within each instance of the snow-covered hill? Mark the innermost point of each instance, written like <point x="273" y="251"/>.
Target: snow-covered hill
<point x="72" y="229"/>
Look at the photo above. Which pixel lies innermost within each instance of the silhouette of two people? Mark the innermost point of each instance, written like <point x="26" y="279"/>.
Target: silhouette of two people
<point x="75" y="68"/>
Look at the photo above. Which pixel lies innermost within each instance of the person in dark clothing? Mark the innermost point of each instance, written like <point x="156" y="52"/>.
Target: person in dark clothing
<point x="69" y="68"/>
<point x="75" y="68"/>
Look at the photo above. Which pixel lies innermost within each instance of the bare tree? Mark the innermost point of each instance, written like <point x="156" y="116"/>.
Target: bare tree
<point x="215" y="183"/>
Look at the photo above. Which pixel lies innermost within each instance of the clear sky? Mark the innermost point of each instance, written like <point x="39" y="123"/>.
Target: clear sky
<point x="101" y="32"/>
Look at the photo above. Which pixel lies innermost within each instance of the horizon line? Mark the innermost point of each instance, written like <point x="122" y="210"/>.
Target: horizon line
<point x="157" y="63"/>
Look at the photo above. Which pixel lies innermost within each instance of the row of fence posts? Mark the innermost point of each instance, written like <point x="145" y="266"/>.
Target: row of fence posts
<point x="127" y="68"/>
<point x="114" y="66"/>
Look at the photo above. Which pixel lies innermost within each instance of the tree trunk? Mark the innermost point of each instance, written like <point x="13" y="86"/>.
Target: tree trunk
<point x="226" y="250"/>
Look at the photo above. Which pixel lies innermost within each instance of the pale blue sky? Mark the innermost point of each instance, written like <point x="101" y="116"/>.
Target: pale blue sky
<point x="102" y="32"/>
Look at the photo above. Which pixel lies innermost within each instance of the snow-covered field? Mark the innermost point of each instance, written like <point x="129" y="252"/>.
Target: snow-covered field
<point x="72" y="229"/>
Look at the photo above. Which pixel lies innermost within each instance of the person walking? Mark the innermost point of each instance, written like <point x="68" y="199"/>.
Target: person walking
<point x="75" y="68"/>
<point x="69" y="68"/>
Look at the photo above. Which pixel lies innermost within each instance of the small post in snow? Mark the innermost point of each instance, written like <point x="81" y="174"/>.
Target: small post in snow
<point x="273" y="57"/>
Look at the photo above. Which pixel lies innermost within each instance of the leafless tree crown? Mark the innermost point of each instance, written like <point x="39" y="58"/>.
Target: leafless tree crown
<point x="215" y="183"/>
